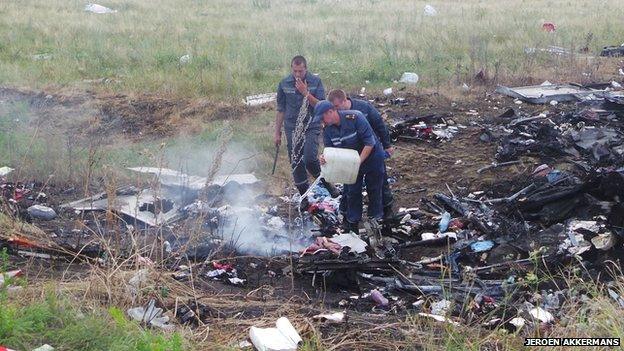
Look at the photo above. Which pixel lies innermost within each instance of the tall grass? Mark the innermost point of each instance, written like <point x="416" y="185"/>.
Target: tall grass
<point x="240" y="47"/>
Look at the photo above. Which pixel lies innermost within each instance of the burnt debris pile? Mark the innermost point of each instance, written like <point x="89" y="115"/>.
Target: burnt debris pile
<point x="491" y="248"/>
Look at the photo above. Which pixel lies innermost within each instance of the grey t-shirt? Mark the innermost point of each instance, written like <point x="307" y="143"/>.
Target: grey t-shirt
<point x="289" y="99"/>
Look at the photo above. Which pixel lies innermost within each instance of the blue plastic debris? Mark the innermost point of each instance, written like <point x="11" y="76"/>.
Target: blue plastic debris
<point x="554" y="176"/>
<point x="444" y="222"/>
<point x="481" y="246"/>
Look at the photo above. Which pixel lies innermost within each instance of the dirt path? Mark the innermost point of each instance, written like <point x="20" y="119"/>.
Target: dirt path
<point x="100" y="114"/>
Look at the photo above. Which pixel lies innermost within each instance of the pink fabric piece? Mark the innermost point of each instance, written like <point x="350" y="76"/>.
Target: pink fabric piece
<point x="322" y="244"/>
<point x="549" y="27"/>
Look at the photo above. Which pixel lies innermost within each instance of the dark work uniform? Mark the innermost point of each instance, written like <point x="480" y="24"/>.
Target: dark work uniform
<point x="381" y="130"/>
<point x="354" y="132"/>
<point x="289" y="101"/>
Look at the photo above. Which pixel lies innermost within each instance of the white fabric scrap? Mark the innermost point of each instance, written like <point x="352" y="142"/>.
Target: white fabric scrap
<point x="5" y="170"/>
<point x="351" y="240"/>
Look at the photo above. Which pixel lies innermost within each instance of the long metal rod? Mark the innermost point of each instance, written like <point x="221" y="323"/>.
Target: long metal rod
<point x="275" y="159"/>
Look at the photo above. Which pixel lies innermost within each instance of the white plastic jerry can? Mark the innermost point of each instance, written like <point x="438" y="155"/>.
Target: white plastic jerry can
<point x="341" y="165"/>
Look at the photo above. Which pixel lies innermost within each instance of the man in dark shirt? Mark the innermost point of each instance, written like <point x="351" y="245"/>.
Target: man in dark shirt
<point x="350" y="130"/>
<point x="342" y="102"/>
<point x="291" y="92"/>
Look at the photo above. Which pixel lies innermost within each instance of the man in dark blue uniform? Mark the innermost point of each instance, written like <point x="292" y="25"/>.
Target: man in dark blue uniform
<point x="350" y="129"/>
<point x="341" y="101"/>
<point x="291" y="92"/>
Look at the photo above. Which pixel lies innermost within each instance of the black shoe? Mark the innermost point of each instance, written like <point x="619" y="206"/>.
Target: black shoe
<point x="302" y="188"/>
<point x="330" y="187"/>
<point x="304" y="204"/>
<point x="388" y="213"/>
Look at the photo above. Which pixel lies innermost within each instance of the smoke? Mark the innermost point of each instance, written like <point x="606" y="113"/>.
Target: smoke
<point x="192" y="156"/>
<point x="250" y="224"/>
<point x="254" y="227"/>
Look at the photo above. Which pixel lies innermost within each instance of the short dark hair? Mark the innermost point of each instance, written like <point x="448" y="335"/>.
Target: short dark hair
<point x="298" y="60"/>
<point x="337" y="94"/>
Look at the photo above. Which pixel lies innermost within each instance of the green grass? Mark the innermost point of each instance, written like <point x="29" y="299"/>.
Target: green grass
<point x="241" y="47"/>
<point x="64" y="326"/>
<point x="25" y="325"/>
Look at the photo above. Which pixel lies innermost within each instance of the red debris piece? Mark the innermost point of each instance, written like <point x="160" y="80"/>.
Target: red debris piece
<point x="15" y="273"/>
<point x="456" y="223"/>
<point x="421" y="131"/>
<point x="225" y="266"/>
<point x="549" y="27"/>
<point x="321" y="206"/>
<point x="8" y="275"/>
<point x="20" y="241"/>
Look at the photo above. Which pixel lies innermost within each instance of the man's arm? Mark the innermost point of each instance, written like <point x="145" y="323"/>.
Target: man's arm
<point x="279" y="117"/>
<point x="320" y="94"/>
<point x="326" y="143"/>
<point x="379" y="126"/>
<point x="312" y="99"/>
<point x="365" y="153"/>
<point x="365" y="133"/>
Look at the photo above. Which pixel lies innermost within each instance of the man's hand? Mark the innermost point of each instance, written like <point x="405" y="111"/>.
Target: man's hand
<point x="302" y="87"/>
<point x="390" y="150"/>
<point x="365" y="153"/>
<point x="277" y="138"/>
<point x="322" y="159"/>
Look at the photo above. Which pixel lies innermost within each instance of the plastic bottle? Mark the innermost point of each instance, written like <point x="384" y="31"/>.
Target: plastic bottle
<point x="409" y="78"/>
<point x="379" y="299"/>
<point x="341" y="165"/>
<point x="444" y="222"/>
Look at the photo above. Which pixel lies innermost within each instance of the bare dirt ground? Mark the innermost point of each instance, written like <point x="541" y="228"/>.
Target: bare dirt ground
<point x="102" y="114"/>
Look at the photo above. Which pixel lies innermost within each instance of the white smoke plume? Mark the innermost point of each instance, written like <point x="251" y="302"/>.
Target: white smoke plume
<point x="248" y="226"/>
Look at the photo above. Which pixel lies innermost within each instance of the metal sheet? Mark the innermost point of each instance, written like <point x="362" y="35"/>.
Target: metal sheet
<point x="541" y="94"/>
<point x="170" y="177"/>
<point x="131" y="206"/>
<point x="260" y="99"/>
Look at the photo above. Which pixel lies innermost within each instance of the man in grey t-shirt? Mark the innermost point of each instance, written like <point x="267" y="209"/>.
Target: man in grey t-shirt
<point x="291" y="91"/>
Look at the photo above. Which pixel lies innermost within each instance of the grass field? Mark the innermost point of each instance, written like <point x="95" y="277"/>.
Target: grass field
<point x="241" y="47"/>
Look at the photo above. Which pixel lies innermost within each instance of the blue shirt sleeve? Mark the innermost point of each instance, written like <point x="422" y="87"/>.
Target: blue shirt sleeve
<point x="364" y="131"/>
<point x="320" y="91"/>
<point x="327" y="138"/>
<point x="281" y="98"/>
<point x="378" y="125"/>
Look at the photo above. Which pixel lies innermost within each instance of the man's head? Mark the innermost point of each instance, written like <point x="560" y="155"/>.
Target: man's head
<point x="299" y="67"/>
<point x="338" y="98"/>
<point x="326" y="112"/>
